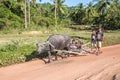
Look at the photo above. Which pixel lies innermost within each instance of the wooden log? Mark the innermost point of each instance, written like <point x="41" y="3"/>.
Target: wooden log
<point x="71" y="52"/>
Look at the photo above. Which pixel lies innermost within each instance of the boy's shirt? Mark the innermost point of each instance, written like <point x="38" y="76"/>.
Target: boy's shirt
<point x="99" y="35"/>
<point x="93" y="37"/>
<point x="73" y="46"/>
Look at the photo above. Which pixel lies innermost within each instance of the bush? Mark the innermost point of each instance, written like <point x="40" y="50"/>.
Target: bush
<point x="15" y="53"/>
<point x="9" y="19"/>
<point x="4" y="12"/>
<point x="42" y="21"/>
<point x="10" y="58"/>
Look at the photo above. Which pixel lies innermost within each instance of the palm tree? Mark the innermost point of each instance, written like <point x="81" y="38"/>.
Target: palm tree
<point x="101" y="7"/>
<point x="59" y="9"/>
<point x="89" y="9"/>
<point x="115" y="4"/>
<point x="89" y="12"/>
<point x="113" y="16"/>
<point x="23" y="4"/>
<point x="78" y="14"/>
<point x="28" y="1"/>
<point x="34" y="2"/>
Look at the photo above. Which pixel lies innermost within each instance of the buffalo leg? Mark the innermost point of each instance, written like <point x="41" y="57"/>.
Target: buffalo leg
<point x="68" y="54"/>
<point x="56" y="58"/>
<point x="49" y="56"/>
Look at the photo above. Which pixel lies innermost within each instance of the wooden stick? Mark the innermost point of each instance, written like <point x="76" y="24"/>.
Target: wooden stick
<point x="71" y="52"/>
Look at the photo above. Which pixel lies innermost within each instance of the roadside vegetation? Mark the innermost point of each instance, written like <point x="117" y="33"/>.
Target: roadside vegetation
<point x="18" y="48"/>
<point x="25" y="22"/>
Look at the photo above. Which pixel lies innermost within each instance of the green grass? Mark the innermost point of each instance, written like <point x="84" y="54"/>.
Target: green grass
<point x="112" y="38"/>
<point x="18" y="48"/>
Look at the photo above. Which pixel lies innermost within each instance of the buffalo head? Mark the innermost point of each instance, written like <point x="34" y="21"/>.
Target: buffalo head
<point x="43" y="47"/>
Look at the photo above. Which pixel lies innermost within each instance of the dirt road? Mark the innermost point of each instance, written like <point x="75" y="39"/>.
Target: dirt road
<point x="106" y="66"/>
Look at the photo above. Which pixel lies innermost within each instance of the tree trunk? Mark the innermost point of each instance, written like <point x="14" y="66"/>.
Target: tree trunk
<point x="25" y="14"/>
<point x="34" y="2"/>
<point x="29" y="12"/>
<point x="55" y="13"/>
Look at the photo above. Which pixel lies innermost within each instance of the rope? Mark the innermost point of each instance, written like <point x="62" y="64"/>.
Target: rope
<point x="50" y="44"/>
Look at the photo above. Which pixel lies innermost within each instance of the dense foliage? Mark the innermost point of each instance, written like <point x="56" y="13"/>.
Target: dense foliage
<point x="106" y="12"/>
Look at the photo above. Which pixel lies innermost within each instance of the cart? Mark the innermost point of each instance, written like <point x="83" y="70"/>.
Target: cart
<point x="84" y="51"/>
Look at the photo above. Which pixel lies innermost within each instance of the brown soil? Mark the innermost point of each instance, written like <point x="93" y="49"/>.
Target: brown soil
<point x="106" y="66"/>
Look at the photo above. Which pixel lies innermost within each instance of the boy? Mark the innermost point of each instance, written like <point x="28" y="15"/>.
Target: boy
<point x="93" y="40"/>
<point x="100" y="35"/>
<point x="73" y="45"/>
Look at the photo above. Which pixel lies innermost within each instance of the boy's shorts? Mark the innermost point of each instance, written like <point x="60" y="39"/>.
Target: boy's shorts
<point x="94" y="44"/>
<point x="99" y="44"/>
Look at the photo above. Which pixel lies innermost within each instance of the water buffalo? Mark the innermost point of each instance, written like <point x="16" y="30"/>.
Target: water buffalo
<point x="56" y="41"/>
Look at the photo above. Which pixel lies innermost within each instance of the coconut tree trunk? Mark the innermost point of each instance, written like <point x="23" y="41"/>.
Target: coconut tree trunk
<point x="25" y="14"/>
<point x="55" y="13"/>
<point x="34" y="2"/>
<point x="29" y="12"/>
